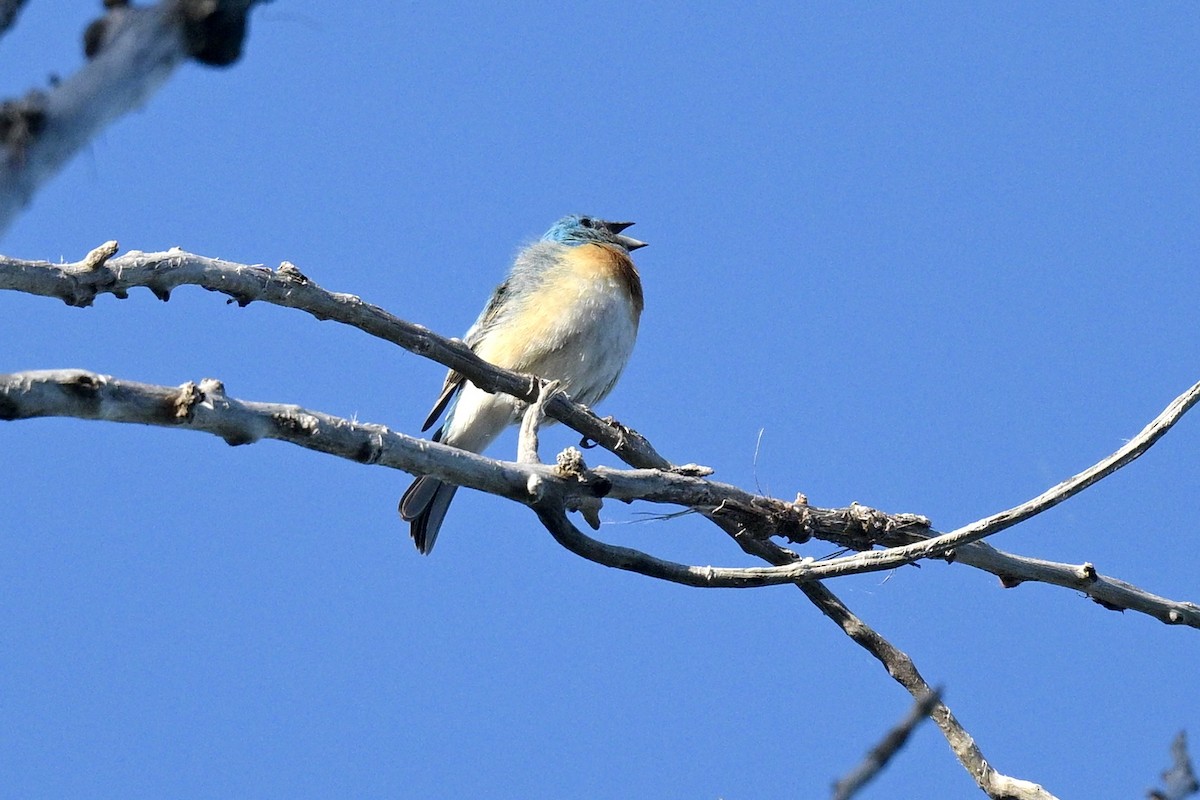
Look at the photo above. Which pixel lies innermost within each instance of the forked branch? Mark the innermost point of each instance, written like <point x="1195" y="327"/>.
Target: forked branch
<point x="570" y="485"/>
<point x="206" y="407"/>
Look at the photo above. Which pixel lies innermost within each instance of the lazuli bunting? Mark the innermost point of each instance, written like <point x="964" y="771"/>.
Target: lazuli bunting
<point x="568" y="312"/>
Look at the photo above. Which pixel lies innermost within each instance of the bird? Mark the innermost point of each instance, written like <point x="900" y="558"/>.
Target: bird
<point x="568" y="311"/>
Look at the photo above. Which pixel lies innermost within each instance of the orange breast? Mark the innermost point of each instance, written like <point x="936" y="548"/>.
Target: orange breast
<point x="600" y="261"/>
<point x="563" y="305"/>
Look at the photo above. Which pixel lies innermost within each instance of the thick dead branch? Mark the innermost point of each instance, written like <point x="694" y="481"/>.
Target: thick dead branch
<point x="133" y="51"/>
<point x="206" y="407"/>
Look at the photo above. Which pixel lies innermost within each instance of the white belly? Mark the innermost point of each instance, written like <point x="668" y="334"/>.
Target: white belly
<point x="583" y="346"/>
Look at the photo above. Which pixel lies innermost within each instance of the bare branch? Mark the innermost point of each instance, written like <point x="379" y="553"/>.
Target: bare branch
<point x="747" y="516"/>
<point x="883" y="752"/>
<point x="897" y="663"/>
<point x="1111" y="593"/>
<point x="555" y="519"/>
<point x="205" y="407"/>
<point x="136" y="62"/>
<point x="1013" y="570"/>
<point x="1180" y="780"/>
<point x="85" y="395"/>
<point x="944" y="544"/>
<point x="287" y="287"/>
<point x="902" y="669"/>
<point x="135" y="51"/>
<point x="535" y="413"/>
<point x="8" y="13"/>
<point x="78" y="284"/>
<point x="201" y="408"/>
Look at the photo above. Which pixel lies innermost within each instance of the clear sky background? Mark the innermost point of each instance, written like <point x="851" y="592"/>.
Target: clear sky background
<point x="931" y="257"/>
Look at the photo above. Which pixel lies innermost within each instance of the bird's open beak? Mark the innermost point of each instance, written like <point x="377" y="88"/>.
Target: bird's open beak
<point x="628" y="242"/>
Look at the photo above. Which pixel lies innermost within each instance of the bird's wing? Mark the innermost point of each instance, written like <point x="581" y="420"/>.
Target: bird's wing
<point x="451" y="387"/>
<point x="454" y="380"/>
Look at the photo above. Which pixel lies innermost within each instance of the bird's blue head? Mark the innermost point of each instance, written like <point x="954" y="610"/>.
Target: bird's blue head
<point x="576" y="229"/>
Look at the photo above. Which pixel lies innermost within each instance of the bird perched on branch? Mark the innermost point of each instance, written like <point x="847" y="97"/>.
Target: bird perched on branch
<point x="568" y="312"/>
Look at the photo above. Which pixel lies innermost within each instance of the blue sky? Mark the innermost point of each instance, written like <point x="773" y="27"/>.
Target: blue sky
<point x="940" y="256"/>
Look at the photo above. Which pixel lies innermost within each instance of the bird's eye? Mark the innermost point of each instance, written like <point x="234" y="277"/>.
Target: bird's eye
<point x="586" y="222"/>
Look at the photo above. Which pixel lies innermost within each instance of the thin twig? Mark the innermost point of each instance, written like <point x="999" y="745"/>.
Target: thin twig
<point x="902" y="669"/>
<point x="882" y="753"/>
<point x="1179" y="781"/>
<point x="1110" y="593"/>
<point x="535" y="412"/>
<point x="942" y="544"/>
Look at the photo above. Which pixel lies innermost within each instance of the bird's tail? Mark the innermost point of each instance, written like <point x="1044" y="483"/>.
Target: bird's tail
<point x="424" y="505"/>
